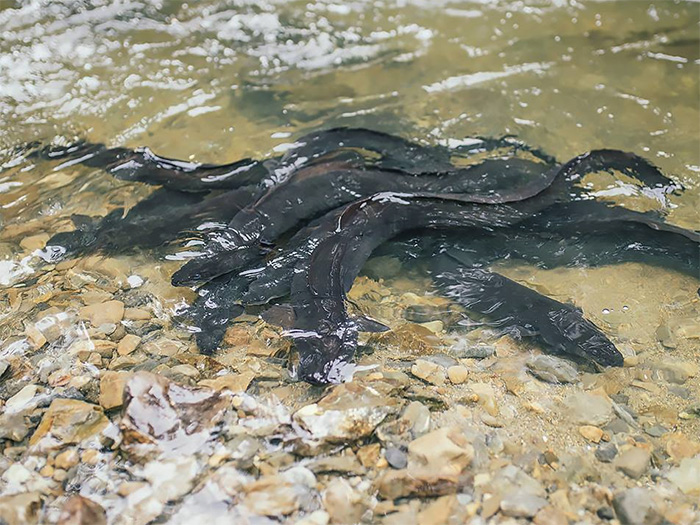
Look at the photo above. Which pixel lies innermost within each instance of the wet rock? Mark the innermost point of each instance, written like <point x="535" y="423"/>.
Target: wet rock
<point x="34" y="242"/>
<point x="457" y="374"/>
<point x="280" y="494"/>
<point x="112" y="389"/>
<point x="78" y="510"/>
<point x="521" y="504"/>
<point x="486" y="397"/>
<point x="128" y="344"/>
<point x="435" y="464"/>
<point x="67" y="459"/>
<point x="442" y="511"/>
<point x="22" y="400"/>
<point x="665" y="336"/>
<point x="634" y="462"/>
<point x="617" y="426"/>
<point x="442" y="360"/>
<point x="430" y="372"/>
<point x="349" y="412"/>
<point x="13" y="427"/>
<point x="464" y="349"/>
<point x="678" y="372"/>
<point x="396" y="457"/>
<point x="346" y="464"/>
<point x="678" y="447"/>
<point x="552" y="369"/>
<point x="588" y="409"/>
<point x="656" y="431"/>
<point x="343" y="503"/>
<point x="317" y="517"/>
<point x="165" y="417"/>
<point x="171" y="479"/>
<point x="369" y="454"/>
<point x="635" y="506"/>
<point x="512" y="478"/>
<point x="103" y="313"/>
<point x="162" y="347"/>
<point x="20" y="509"/>
<point x="417" y="416"/>
<point x="68" y="421"/>
<point x="591" y="433"/>
<point x="606" y="453"/>
<point x="687" y="476"/>
<point x="231" y="382"/>
<point x="550" y="515"/>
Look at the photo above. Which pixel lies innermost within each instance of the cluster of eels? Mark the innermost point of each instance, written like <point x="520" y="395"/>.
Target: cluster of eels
<point x="301" y="226"/>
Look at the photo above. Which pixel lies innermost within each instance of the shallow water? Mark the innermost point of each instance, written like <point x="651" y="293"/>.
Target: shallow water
<point x="217" y="81"/>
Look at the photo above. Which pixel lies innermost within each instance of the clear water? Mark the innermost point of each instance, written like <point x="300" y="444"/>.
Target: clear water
<point x="214" y="81"/>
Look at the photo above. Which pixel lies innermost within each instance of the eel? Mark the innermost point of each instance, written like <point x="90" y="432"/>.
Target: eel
<point x="142" y="165"/>
<point x="326" y="337"/>
<point x="560" y="327"/>
<point x="158" y="219"/>
<point x="313" y="191"/>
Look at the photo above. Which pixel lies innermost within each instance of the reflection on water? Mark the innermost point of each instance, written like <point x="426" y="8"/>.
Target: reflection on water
<point x="218" y="81"/>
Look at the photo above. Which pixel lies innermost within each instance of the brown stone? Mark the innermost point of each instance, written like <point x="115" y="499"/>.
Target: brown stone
<point x="591" y="433"/>
<point x="128" y="344"/>
<point x="20" y="509"/>
<point x="81" y="511"/>
<point x="112" y="389"/>
<point x="67" y="459"/>
<point x="101" y="313"/>
<point x="68" y="421"/>
<point x="232" y="382"/>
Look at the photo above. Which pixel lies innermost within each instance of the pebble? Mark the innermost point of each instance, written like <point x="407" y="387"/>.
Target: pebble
<point x="20" y="509"/>
<point x="342" y="502"/>
<point x="186" y="416"/>
<point x="430" y="372"/>
<point x="588" y="409"/>
<point x="591" y="433"/>
<point x="67" y="459"/>
<point x="635" y="506"/>
<point x="34" y="242"/>
<point x="552" y="369"/>
<point x="678" y="447"/>
<point x="396" y="457"/>
<point x="128" y="344"/>
<point x="606" y="453"/>
<point x="443" y="450"/>
<point x="521" y="504"/>
<point x="687" y="476"/>
<point x="112" y="388"/>
<point x="68" y="421"/>
<point x="78" y="510"/>
<point x="435" y="462"/>
<point x="103" y="313"/>
<point x="230" y="382"/>
<point x="634" y="461"/>
<point x="443" y="360"/>
<point x="464" y="349"/>
<point x="550" y="515"/>
<point x="280" y="494"/>
<point x="666" y="336"/>
<point x="458" y="374"/>
<point x="350" y="411"/>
